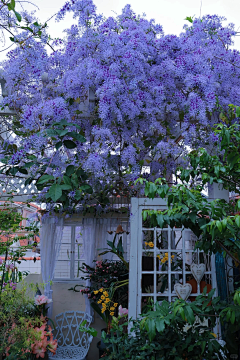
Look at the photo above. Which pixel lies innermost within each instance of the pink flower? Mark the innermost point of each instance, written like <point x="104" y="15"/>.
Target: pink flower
<point x="9" y="266"/>
<point x="105" y="280"/>
<point x="1" y="261"/>
<point x="39" y="350"/>
<point x="122" y="311"/>
<point x="42" y="299"/>
<point x="52" y="345"/>
<point x="41" y="331"/>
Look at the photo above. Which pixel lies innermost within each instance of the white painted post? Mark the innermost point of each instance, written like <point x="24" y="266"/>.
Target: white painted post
<point x="133" y="261"/>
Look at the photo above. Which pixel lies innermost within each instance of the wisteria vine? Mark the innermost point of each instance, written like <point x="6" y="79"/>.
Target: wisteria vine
<point x="115" y="99"/>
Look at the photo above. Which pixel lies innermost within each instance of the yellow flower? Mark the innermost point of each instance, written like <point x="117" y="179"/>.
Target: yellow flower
<point x="115" y="304"/>
<point x="96" y="292"/>
<point x="173" y="256"/>
<point x="111" y="313"/>
<point x="104" y="305"/>
<point x="166" y="255"/>
<point x="101" y="290"/>
<point x="107" y="300"/>
<point x="151" y="244"/>
<point x="105" y="293"/>
<point x="103" y="310"/>
<point x="146" y="243"/>
<point x="103" y="297"/>
<point x="112" y="308"/>
<point x="158" y="256"/>
<point x="99" y="301"/>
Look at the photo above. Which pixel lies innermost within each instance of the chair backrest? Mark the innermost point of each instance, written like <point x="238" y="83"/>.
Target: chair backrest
<point x="68" y="333"/>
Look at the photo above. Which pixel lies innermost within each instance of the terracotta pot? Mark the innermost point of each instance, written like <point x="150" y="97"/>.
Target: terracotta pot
<point x="203" y="284"/>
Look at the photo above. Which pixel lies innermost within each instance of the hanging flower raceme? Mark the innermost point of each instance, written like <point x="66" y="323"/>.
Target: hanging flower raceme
<point x="138" y="97"/>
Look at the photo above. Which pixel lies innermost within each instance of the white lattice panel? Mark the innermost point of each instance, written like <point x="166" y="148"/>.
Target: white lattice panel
<point x="16" y="187"/>
<point x="161" y="258"/>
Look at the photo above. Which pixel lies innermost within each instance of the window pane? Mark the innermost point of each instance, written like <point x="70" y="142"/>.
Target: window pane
<point x="78" y="248"/>
<point x="62" y="269"/>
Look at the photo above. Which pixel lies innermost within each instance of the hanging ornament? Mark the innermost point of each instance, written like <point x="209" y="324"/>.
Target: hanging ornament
<point x="183" y="291"/>
<point x="198" y="271"/>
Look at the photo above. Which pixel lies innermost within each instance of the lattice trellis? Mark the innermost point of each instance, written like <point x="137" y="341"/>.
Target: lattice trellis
<point x="161" y="258"/>
<point x="16" y="187"/>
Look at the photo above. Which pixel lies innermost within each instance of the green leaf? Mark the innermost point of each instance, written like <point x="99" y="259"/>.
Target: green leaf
<point x="14" y="170"/>
<point x="66" y="187"/>
<point x="75" y="180"/>
<point x="70" y="170"/>
<point x="189" y="18"/>
<point x="219" y="225"/>
<point x="18" y="16"/>
<point x="160" y="325"/>
<point x="189" y="314"/>
<point x="69" y="144"/>
<point x="45" y="178"/>
<point x="29" y="164"/>
<point x="160" y="220"/>
<point x="55" y="192"/>
<point x="58" y="145"/>
<point x="51" y="132"/>
<point x="151" y="329"/>
<point x="28" y="181"/>
<point x="237" y="220"/>
<point x="62" y="132"/>
<point x="233" y="317"/>
<point x="76" y="136"/>
<point x="87" y="188"/>
<point x="12" y="4"/>
<point x="23" y="171"/>
<point x="67" y="180"/>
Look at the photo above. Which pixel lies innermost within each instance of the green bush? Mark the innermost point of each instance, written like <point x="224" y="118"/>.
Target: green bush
<point x="170" y="331"/>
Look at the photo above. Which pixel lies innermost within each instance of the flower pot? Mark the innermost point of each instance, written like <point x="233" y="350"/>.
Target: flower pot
<point x="103" y="344"/>
<point x="101" y="351"/>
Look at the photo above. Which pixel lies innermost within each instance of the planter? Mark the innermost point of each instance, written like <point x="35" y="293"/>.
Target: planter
<point x="103" y="344"/>
<point x="100" y="349"/>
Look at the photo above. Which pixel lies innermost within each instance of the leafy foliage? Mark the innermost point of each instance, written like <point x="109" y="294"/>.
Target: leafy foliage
<point x="215" y="223"/>
<point x="187" y="338"/>
<point x="110" y="277"/>
<point x="10" y="221"/>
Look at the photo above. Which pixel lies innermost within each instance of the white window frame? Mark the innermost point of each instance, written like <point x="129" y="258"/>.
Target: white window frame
<point x="136" y="253"/>
<point x="72" y="225"/>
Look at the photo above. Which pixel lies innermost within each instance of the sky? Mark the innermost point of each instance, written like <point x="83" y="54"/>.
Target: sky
<point x="169" y="13"/>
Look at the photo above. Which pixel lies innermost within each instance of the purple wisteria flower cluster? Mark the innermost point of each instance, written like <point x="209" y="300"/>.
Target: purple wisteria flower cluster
<point x="139" y="97"/>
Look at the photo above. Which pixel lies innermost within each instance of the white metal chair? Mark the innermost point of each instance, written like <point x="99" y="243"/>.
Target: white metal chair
<point x="72" y="343"/>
